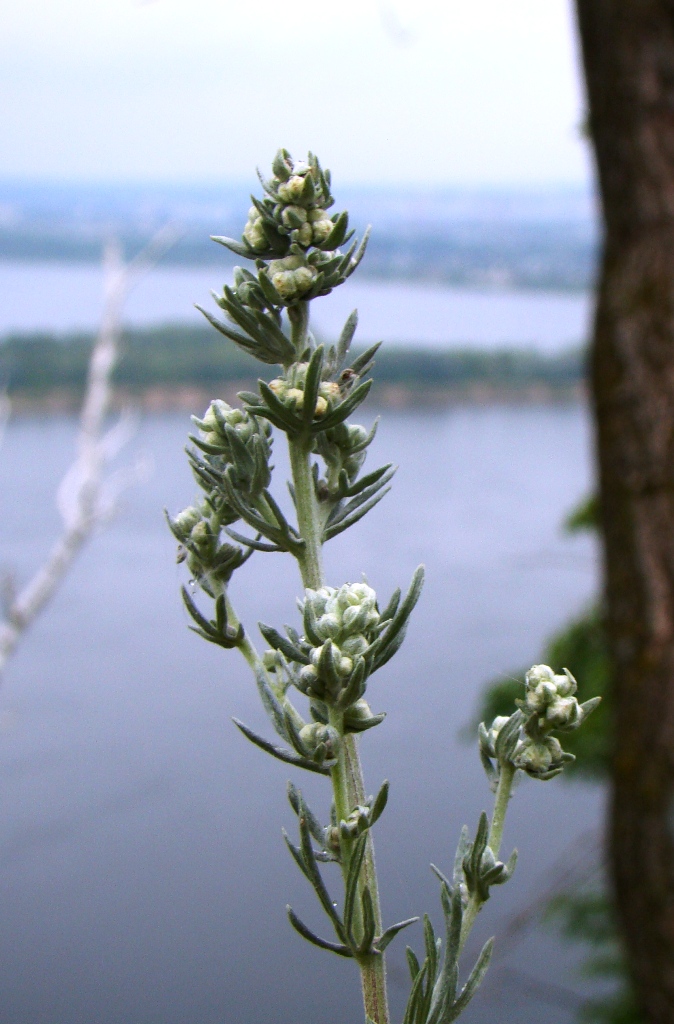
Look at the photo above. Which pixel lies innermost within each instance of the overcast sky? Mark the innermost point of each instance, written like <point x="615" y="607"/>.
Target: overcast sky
<point x="418" y="91"/>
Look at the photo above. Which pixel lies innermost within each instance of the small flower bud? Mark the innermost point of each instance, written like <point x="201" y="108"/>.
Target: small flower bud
<point x="291" y="190"/>
<point x="294" y="216"/>
<point x="295" y="396"/>
<point x="320" y="230"/>
<point x="270" y="660"/>
<point x="328" y="626"/>
<point x="315" y="735"/>
<point x="345" y="667"/>
<point x="302" y="236"/>
<point x="304" y="279"/>
<point x="201" y="534"/>
<point x="493" y="731"/>
<point x="254" y="233"/>
<point x="563" y="713"/>
<point x="356" y="435"/>
<point x="307" y="678"/>
<point x="354" y="646"/>
<point x="186" y="520"/>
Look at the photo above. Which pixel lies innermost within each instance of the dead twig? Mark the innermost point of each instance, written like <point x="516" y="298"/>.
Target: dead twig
<point x="87" y="497"/>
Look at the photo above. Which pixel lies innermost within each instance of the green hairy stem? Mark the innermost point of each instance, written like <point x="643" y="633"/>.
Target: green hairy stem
<point x="324" y="662"/>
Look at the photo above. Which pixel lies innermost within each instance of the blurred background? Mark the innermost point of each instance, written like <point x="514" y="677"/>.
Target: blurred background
<point x="142" y="870"/>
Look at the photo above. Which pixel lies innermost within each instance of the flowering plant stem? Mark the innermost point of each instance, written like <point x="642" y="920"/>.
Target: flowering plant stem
<point x="346" y="635"/>
<point x="347" y="775"/>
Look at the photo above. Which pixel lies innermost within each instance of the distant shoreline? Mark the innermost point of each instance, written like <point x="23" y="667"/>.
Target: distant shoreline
<point x="160" y="399"/>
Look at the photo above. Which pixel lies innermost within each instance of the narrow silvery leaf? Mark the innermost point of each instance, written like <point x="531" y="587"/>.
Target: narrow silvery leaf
<point x="299" y="805"/>
<point x="442" y="877"/>
<point x="293" y="736"/>
<point x="344" y="409"/>
<point x="283" y="523"/>
<point x="251" y="542"/>
<point x="314" y="876"/>
<point x="474" y="980"/>
<point x="270" y="702"/>
<point x="287" y="756"/>
<point x="371" y="478"/>
<point x="360" y="252"/>
<point x="346" y="337"/>
<point x="416" y="994"/>
<point x="588" y="706"/>
<point x="296" y="854"/>
<point x="306" y="933"/>
<point x="389" y="934"/>
<point x="368" y="921"/>
<point x="412" y="962"/>
<point x="354" y="517"/>
<point x="363" y="494"/>
<point x="453" y="922"/>
<point x="236" y="247"/>
<point x="292" y="424"/>
<point x="362" y="363"/>
<point x="445" y="987"/>
<point x="351" y="887"/>
<point x="488" y="765"/>
<point x="312" y="382"/>
<point x="248" y="397"/>
<point x="461" y="850"/>
<point x="402" y="614"/>
<point x="280" y="643"/>
<point x="479" y="844"/>
<point x="247" y="344"/>
<point x="392" y="606"/>
<point x="379" y="802"/>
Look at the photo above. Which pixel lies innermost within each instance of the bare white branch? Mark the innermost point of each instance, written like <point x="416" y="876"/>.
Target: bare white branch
<point x="86" y="497"/>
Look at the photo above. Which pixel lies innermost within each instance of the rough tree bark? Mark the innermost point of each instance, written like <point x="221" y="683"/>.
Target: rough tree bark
<point x="628" y="52"/>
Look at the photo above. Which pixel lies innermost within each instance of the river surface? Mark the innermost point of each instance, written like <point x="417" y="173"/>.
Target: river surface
<point x="143" y="878"/>
<point x="65" y="297"/>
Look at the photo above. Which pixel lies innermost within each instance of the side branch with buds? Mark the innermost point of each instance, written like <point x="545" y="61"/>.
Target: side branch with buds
<point x="344" y="634"/>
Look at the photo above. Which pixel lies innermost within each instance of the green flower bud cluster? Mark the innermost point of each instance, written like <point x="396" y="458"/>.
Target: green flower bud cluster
<point x="298" y="197"/>
<point x="344" y="450"/>
<point x="551" y="697"/>
<point x="289" y="389"/>
<point x="550" y="705"/>
<point x="237" y="449"/>
<point x="526" y="738"/>
<point x="292" y="277"/>
<point x="346" y="639"/>
<point x="343" y="623"/>
<point x="290" y="228"/>
<point x="210" y="561"/>
<point x="233" y="437"/>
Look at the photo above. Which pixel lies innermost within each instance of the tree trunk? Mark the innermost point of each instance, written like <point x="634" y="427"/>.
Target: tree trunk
<point x="628" y="52"/>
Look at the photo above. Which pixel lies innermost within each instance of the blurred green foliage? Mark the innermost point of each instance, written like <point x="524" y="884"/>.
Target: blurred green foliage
<point x="587" y="915"/>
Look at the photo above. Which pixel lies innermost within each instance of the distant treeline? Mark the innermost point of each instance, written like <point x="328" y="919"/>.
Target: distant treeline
<point x="178" y="356"/>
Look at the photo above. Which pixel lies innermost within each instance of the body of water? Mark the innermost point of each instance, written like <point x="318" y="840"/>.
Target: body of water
<point x="143" y="876"/>
<point x="65" y="297"/>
